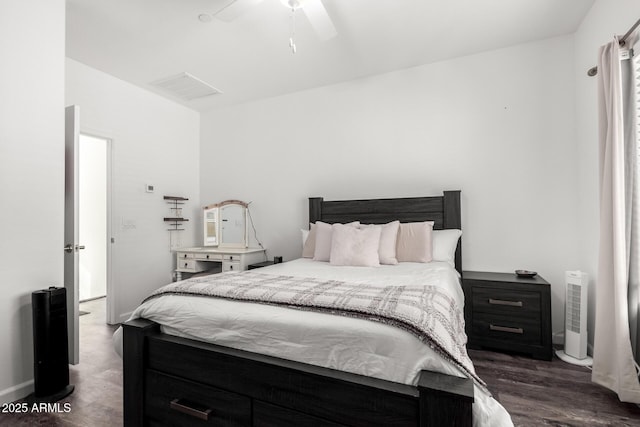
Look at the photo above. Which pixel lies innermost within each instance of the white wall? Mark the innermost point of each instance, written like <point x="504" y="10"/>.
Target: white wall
<point x="92" y="195"/>
<point x="606" y="18"/>
<point x="31" y="175"/>
<point x="497" y="125"/>
<point x="154" y="141"/>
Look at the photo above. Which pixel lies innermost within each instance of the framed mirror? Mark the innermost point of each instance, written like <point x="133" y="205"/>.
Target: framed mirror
<point x="210" y="219"/>
<point x="225" y="224"/>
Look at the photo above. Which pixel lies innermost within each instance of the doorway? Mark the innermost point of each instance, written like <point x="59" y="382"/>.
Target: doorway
<point x="93" y="210"/>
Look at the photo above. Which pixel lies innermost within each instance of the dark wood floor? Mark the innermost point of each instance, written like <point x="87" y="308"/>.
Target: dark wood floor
<point x="536" y="393"/>
<point x="556" y="393"/>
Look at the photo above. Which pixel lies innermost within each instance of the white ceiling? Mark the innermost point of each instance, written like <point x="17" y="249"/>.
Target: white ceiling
<point x="141" y="41"/>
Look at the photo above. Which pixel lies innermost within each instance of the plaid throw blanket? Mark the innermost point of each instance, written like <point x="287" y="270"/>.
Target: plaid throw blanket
<point x="427" y="312"/>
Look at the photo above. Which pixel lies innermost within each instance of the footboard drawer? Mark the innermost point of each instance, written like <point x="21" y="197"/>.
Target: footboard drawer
<point x="177" y="402"/>
<point x="266" y="415"/>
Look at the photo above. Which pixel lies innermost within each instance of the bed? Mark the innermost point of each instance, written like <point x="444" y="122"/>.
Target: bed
<point x="171" y="378"/>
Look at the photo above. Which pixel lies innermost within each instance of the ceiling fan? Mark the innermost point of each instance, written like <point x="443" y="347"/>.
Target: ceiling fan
<point x="313" y="9"/>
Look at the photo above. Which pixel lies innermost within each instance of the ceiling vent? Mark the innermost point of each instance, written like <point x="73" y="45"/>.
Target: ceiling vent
<point x="185" y="86"/>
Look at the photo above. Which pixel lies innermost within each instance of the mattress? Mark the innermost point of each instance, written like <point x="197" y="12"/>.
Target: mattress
<point x="345" y="343"/>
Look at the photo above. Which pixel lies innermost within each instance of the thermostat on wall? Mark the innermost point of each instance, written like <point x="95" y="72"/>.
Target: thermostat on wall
<point x="149" y="188"/>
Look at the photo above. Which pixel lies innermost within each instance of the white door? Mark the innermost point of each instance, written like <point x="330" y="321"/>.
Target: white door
<point x="71" y="248"/>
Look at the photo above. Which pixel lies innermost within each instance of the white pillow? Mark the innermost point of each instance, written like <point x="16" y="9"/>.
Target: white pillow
<point x="414" y="242"/>
<point x="354" y="246"/>
<point x="309" y="241"/>
<point x="388" y="241"/>
<point x="444" y="245"/>
<point x="324" y="231"/>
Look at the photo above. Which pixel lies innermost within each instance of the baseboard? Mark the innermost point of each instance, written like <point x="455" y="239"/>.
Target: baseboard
<point x="124" y="317"/>
<point x="558" y="338"/>
<point x="92" y="299"/>
<point x="16" y="392"/>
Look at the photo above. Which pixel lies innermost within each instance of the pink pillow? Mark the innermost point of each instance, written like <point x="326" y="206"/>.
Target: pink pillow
<point x="322" y="251"/>
<point x="354" y="246"/>
<point x="415" y="242"/>
<point x="388" y="241"/>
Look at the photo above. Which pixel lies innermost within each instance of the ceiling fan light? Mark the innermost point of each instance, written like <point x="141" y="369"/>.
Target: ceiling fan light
<point x="292" y="4"/>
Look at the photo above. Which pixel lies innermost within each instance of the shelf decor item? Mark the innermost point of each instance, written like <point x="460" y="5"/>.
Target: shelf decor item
<point x="525" y="273"/>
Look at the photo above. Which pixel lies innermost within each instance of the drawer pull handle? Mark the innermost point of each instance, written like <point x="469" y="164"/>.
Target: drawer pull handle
<point x="506" y="329"/>
<point x="187" y="408"/>
<point x="503" y="302"/>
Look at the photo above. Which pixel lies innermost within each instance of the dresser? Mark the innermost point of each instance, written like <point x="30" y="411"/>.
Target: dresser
<point x="507" y="312"/>
<point x="199" y="259"/>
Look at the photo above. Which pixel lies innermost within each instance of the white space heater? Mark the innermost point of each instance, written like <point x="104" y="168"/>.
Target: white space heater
<point x="575" y="328"/>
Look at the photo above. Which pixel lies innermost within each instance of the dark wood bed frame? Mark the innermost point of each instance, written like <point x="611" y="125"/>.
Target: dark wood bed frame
<point x="175" y="381"/>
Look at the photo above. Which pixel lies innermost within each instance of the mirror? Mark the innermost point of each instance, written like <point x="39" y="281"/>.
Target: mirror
<point x="210" y="226"/>
<point x="225" y="224"/>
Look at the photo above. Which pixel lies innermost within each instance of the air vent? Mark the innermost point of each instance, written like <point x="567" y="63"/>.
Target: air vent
<point x="573" y="308"/>
<point x="186" y="87"/>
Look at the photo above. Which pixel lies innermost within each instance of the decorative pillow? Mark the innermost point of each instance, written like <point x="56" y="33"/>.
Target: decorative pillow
<point x="444" y="245"/>
<point x="309" y="242"/>
<point x="354" y="246"/>
<point x="324" y="231"/>
<point x="414" y="242"/>
<point x="388" y="241"/>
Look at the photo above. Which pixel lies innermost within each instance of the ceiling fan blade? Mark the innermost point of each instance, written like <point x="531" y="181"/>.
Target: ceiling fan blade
<point x="319" y="19"/>
<point x="235" y="9"/>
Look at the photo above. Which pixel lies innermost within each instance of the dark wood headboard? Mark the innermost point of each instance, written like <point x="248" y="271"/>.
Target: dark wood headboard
<point x="443" y="210"/>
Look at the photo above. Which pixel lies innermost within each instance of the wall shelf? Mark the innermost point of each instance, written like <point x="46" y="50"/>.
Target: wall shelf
<point x="176" y="221"/>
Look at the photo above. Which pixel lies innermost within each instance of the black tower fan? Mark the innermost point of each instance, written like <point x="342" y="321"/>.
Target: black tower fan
<point x="50" y="345"/>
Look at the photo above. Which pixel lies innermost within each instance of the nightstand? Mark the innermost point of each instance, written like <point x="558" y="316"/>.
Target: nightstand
<point x="260" y="265"/>
<point x="276" y="260"/>
<point x="505" y="312"/>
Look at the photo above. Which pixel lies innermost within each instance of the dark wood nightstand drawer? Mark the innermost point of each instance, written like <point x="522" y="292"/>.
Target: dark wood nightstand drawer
<point x="177" y="402"/>
<point x="500" y="328"/>
<point x="501" y="301"/>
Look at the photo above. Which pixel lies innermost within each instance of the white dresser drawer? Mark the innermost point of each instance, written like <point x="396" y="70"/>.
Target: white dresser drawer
<point x="190" y="266"/>
<point x="231" y="266"/>
<point x="208" y="257"/>
<point x="184" y="255"/>
<point x="231" y="257"/>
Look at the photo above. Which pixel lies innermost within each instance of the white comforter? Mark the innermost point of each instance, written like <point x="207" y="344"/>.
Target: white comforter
<point x="344" y="343"/>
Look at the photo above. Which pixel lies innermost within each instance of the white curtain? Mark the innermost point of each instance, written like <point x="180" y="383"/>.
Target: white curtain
<point x="617" y="283"/>
<point x="631" y="103"/>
